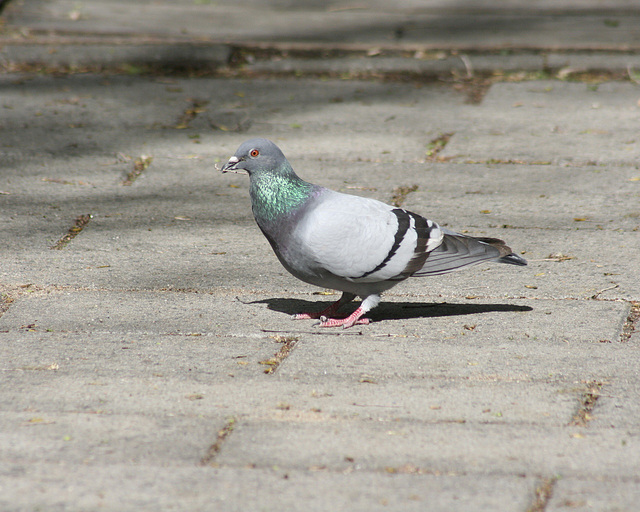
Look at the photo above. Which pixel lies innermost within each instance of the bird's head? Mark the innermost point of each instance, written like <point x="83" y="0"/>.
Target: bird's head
<point x="257" y="156"/>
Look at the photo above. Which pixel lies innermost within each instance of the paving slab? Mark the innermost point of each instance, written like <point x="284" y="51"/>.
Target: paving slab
<point x="221" y="315"/>
<point x="468" y="349"/>
<point x="582" y="495"/>
<point x="133" y="355"/>
<point x="467" y="24"/>
<point x="422" y="64"/>
<point x="100" y="109"/>
<point x="620" y="408"/>
<point x="105" y="439"/>
<point x="80" y="54"/>
<point x="508" y="111"/>
<point x="38" y="399"/>
<point x="455" y="448"/>
<point x="394" y="116"/>
<point x="231" y="489"/>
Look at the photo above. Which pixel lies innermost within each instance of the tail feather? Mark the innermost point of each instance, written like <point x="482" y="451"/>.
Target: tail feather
<point x="513" y="259"/>
<point x="506" y="254"/>
<point x="459" y="251"/>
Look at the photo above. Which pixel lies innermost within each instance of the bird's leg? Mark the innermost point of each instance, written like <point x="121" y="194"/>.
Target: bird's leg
<point x="354" y="318"/>
<point x="331" y="310"/>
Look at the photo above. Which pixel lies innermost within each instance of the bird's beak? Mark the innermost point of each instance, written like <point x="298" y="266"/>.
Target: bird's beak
<point x="231" y="166"/>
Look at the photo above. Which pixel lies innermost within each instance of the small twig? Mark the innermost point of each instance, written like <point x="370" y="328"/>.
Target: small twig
<point x="376" y="405"/>
<point x="595" y="296"/>
<point x="467" y="64"/>
<point x="318" y="333"/>
<point x="557" y="260"/>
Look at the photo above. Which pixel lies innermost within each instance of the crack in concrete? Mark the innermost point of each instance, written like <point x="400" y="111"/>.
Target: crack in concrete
<point x="543" y="494"/>
<point x="437" y="145"/>
<point x="582" y="417"/>
<point x="209" y="458"/>
<point x="139" y="165"/>
<point x="191" y="112"/>
<point x="475" y="88"/>
<point x="79" y="224"/>
<point x="288" y="344"/>
<point x="399" y="194"/>
<point x="630" y="324"/>
<point x="5" y="303"/>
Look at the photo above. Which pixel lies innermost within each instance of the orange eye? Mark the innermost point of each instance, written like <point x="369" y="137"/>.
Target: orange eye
<point x="254" y="153"/>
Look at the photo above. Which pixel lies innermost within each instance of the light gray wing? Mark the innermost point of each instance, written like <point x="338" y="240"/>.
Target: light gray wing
<point x="365" y="240"/>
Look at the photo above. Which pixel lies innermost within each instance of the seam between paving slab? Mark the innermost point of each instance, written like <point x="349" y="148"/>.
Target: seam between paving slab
<point x="209" y="458"/>
<point x="543" y="494"/>
<point x="5" y="303"/>
<point x="632" y="321"/>
<point x="261" y="60"/>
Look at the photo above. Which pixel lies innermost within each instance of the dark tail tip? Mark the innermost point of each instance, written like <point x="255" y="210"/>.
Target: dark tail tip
<point x="512" y="259"/>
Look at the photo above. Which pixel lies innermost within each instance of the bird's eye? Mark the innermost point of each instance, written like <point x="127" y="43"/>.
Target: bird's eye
<point x="254" y="153"/>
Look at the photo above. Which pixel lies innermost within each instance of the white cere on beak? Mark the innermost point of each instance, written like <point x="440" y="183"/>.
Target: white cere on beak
<point x="229" y="166"/>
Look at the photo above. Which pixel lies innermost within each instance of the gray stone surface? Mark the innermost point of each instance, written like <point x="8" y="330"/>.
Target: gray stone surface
<point x="231" y="488"/>
<point x="582" y="495"/>
<point x="75" y="55"/>
<point x="135" y="361"/>
<point x="461" y="24"/>
<point x="608" y="109"/>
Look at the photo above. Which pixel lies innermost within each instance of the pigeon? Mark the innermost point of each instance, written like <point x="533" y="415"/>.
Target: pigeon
<point x="356" y="245"/>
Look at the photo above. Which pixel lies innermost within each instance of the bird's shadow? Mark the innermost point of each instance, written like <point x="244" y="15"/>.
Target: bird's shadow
<point x="394" y="310"/>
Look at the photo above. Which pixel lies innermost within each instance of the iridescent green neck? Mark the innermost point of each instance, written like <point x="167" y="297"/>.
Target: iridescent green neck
<point x="276" y="194"/>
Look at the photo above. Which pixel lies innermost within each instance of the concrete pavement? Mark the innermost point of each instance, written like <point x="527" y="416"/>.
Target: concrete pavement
<point x="147" y="356"/>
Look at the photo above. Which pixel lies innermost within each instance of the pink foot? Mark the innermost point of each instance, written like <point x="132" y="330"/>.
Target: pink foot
<point x="352" y="319"/>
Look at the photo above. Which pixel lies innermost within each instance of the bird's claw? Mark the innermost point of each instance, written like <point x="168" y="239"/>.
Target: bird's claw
<point x="344" y="322"/>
